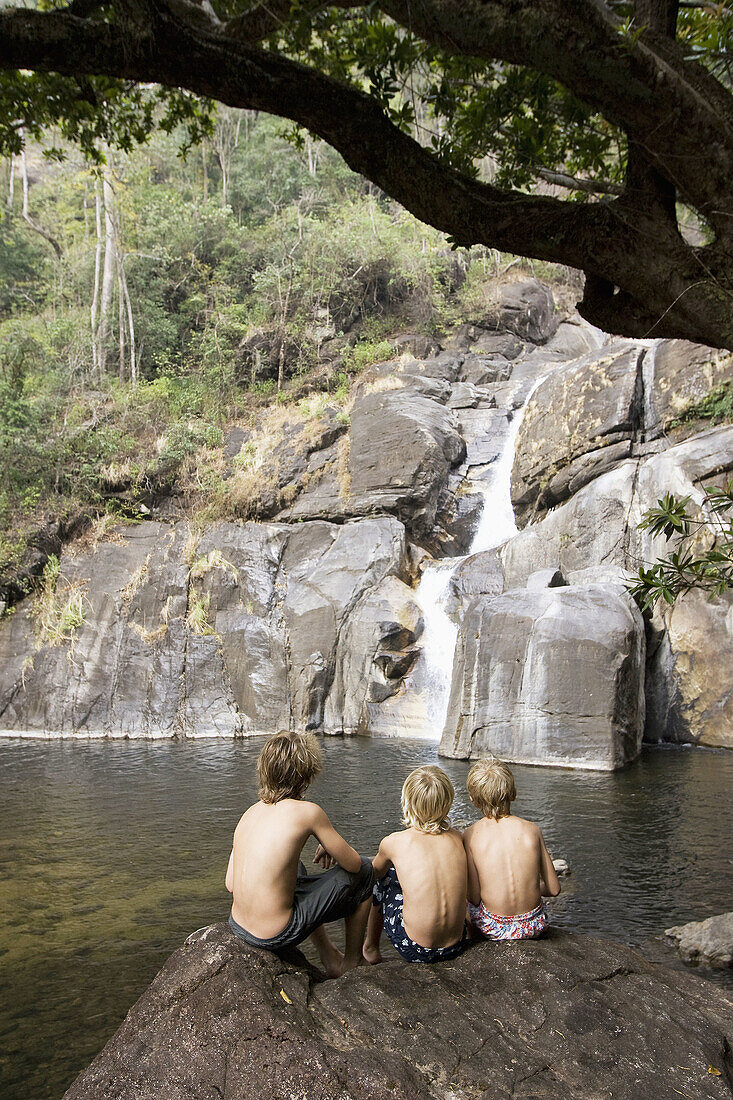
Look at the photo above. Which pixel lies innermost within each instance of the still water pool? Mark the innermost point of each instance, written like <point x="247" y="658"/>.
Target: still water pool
<point x="111" y="853"/>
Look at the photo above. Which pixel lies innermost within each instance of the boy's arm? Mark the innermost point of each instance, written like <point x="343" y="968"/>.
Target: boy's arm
<point x="474" y="883"/>
<point x="333" y="843"/>
<point x="229" y="881"/>
<point x="382" y="862"/>
<point x="549" y="882"/>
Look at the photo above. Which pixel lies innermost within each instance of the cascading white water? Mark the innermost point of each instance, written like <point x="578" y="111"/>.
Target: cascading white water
<point x="433" y="673"/>
<point x="497" y="524"/>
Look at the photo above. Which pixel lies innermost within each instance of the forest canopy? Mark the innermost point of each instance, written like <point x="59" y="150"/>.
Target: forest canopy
<point x="594" y="135"/>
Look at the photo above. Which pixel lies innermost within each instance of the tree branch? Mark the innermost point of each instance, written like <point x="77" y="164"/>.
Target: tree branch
<point x="669" y="107"/>
<point x="663" y="282"/>
<point x="573" y="183"/>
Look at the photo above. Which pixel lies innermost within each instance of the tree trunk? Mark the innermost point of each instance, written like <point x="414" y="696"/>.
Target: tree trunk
<point x="108" y="275"/>
<point x="97" y="272"/>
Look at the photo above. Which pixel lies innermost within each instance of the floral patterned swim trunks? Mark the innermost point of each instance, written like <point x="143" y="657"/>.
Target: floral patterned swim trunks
<point x="388" y="895"/>
<point x="521" y="926"/>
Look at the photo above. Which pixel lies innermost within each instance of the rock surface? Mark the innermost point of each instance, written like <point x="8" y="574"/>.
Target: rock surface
<point x="705" y="941"/>
<point x="579" y="423"/>
<point x="549" y="676"/>
<point x="235" y="632"/>
<point x="311" y="617"/>
<point x="563" y="1018"/>
<point x="683" y="374"/>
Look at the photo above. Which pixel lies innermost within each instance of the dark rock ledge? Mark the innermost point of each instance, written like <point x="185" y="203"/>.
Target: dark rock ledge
<point x="565" y="1017"/>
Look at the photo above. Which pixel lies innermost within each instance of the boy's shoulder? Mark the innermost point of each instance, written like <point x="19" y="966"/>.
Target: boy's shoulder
<point x="530" y="828"/>
<point x="395" y="839"/>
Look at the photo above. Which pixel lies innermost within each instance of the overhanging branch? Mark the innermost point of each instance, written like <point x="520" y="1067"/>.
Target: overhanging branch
<point x="644" y="257"/>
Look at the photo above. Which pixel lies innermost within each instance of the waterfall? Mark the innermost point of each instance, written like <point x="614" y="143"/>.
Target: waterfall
<point x="433" y="672"/>
<point x="496" y="524"/>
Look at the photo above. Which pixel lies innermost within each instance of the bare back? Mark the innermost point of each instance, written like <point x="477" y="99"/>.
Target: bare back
<point x="267" y="844"/>
<point x="509" y="867"/>
<point x="263" y="865"/>
<point x="433" y="876"/>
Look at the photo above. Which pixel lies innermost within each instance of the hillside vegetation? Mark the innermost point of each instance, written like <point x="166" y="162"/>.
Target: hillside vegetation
<point x="247" y="285"/>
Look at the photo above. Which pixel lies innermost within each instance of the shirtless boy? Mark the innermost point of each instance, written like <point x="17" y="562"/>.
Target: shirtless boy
<point x="420" y="898"/>
<point x="509" y="868"/>
<point x="275" y="903"/>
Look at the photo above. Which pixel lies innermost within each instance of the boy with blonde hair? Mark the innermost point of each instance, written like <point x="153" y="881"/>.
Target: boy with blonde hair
<point x="420" y="898"/>
<point x="275" y="903"/>
<point x="509" y="868"/>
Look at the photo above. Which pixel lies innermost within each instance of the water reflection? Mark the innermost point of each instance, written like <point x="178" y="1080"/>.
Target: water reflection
<point x="111" y="853"/>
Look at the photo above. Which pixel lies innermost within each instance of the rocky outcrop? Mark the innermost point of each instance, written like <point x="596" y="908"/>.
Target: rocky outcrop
<point x="709" y="942"/>
<point x="594" y="537"/>
<point x="689" y="675"/>
<point x="312" y="618"/>
<point x="579" y="423"/>
<point x="235" y="632"/>
<point x="681" y="375"/>
<point x="397" y="456"/>
<point x="562" y="1017"/>
<point x="377" y="649"/>
<point x="549" y="676"/>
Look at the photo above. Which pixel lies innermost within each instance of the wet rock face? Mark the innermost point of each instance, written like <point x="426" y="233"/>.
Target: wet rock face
<point x="549" y="676"/>
<point x="565" y="1016"/>
<point x="705" y="941"/>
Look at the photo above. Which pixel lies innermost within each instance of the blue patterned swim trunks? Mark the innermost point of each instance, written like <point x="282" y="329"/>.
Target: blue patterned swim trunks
<point x="388" y="895"/>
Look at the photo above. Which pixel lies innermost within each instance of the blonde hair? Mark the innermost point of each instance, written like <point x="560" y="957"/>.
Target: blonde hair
<point x="427" y="796"/>
<point x="287" y="765"/>
<point x="491" y="787"/>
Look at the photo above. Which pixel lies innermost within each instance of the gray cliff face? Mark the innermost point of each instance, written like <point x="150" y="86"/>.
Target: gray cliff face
<point x="551" y="676"/>
<point x="273" y="600"/>
<point x="552" y="1019"/>
<point x="312" y="617"/>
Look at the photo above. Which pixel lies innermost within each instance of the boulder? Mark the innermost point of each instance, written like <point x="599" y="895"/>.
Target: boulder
<point x="527" y="309"/>
<point x="416" y="343"/>
<point x="681" y="375"/>
<point x="588" y="534"/>
<point x="376" y="650"/>
<point x="403" y="447"/>
<point x="483" y="341"/>
<point x="551" y="676"/>
<point x="479" y="369"/>
<point x="698" y="675"/>
<point x="479" y="574"/>
<point x="327" y="568"/>
<point x="397" y="457"/>
<point x="705" y="941"/>
<point x="579" y="423"/>
<point x="561" y="1017"/>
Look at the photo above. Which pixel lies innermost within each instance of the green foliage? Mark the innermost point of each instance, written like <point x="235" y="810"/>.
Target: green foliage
<point x="716" y="406"/>
<point x="94" y="112"/>
<point x="702" y="557"/>
<point x="367" y="352"/>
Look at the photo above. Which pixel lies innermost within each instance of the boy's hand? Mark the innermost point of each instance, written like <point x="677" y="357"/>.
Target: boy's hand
<point x="326" y="861"/>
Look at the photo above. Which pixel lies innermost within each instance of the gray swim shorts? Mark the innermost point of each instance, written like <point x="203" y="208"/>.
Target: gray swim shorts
<point x="331" y="895"/>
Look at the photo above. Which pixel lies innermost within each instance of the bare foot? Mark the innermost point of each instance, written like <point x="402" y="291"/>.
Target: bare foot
<point x="350" y="964"/>
<point x="332" y="961"/>
<point x="372" y="954"/>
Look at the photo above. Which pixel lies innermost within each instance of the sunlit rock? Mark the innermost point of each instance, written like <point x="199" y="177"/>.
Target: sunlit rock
<point x="552" y="676"/>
